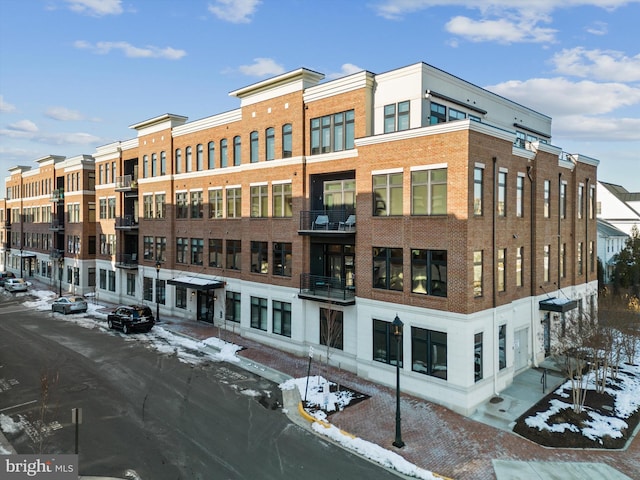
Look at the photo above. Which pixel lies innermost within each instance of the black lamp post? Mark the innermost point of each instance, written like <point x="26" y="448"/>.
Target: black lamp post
<point x="60" y="265"/>
<point x="21" y="262"/>
<point x="397" y="332"/>
<point x="158" y="265"/>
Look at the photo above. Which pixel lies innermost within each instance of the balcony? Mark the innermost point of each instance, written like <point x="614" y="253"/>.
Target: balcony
<point x="126" y="183"/>
<point x="56" y="225"/>
<point x="56" y="253"/>
<point x="326" y="289"/>
<point x="322" y="222"/>
<point x="128" y="261"/>
<point x="57" y="195"/>
<point x="7" y="224"/>
<point x="128" y="222"/>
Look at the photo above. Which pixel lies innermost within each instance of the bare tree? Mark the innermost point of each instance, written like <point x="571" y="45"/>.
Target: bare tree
<point x="330" y="329"/>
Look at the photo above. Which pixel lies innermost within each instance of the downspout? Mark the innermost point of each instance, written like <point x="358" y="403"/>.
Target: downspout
<point x="532" y="244"/>
<point x="590" y="210"/>
<point x="496" y="351"/>
<point x="559" y="229"/>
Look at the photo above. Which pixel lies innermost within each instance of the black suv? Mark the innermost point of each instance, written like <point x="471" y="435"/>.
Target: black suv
<point x="132" y="318"/>
<point x="4" y="276"/>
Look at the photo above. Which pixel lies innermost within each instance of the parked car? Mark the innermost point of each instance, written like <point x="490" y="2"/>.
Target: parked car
<point x="15" y="285"/>
<point x="131" y="318"/>
<point x="69" y="305"/>
<point x="4" y="276"/>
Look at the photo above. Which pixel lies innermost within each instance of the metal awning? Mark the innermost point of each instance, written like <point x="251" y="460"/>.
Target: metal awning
<point x="196" y="283"/>
<point x="560" y="305"/>
<point x="18" y="253"/>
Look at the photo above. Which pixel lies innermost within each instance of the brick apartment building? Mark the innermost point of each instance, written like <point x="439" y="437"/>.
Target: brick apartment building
<point x="317" y="212"/>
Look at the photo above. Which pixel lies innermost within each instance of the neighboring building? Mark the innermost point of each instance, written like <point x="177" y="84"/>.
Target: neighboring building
<point x="611" y="241"/>
<point x="472" y="227"/>
<point x="618" y="206"/>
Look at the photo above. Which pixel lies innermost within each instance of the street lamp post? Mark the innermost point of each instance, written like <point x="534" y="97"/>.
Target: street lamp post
<point x="21" y="262"/>
<point x="158" y="265"/>
<point x="397" y="332"/>
<point x="60" y="265"/>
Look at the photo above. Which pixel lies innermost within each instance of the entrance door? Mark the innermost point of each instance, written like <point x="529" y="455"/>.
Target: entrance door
<point x="520" y="347"/>
<point x="547" y="333"/>
<point x="205" y="306"/>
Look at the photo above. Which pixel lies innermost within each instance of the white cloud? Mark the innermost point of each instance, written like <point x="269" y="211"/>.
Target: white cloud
<point x="234" y="11"/>
<point x="23" y="126"/>
<point x="598" y="64"/>
<point x="63" y="114"/>
<point x="582" y="127"/>
<point x="597" y="28"/>
<point x="6" y="107"/>
<point x="262" y="67"/>
<point x="131" y="51"/>
<point x="96" y="8"/>
<point x="501" y="30"/>
<point x="345" y="69"/>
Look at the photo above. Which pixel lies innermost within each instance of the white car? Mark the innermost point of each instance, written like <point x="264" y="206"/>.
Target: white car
<point x="15" y="285"/>
<point x="69" y="305"/>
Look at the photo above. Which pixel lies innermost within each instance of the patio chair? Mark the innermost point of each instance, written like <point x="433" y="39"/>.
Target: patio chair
<point x="321" y="222"/>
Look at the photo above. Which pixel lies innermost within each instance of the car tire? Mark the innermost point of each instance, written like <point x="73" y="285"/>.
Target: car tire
<point x="126" y="329"/>
<point x="66" y="310"/>
<point x="110" y="324"/>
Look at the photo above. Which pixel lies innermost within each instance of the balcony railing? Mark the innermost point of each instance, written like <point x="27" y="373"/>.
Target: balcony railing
<point x="327" y="289"/>
<point x="126" y="183"/>
<point x="56" y="253"/>
<point x="128" y="222"/>
<point x="323" y="221"/>
<point x="127" y="260"/>
<point x="57" y="195"/>
<point x="7" y="224"/>
<point x="56" y="225"/>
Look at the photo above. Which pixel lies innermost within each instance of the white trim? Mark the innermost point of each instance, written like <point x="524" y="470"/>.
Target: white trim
<point x="503" y="170"/>
<point x="435" y="166"/>
<point x="387" y="171"/>
<point x="480" y="165"/>
<point x="281" y="182"/>
<point x="228" y="187"/>
<point x="258" y="184"/>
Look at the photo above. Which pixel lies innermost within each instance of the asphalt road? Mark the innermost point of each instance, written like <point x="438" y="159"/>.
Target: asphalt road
<point x="149" y="413"/>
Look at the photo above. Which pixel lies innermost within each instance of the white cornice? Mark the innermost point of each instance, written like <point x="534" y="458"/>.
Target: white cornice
<point x="356" y="81"/>
<point x="209" y="122"/>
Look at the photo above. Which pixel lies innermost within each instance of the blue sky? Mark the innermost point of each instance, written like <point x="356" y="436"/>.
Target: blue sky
<point x="74" y="74"/>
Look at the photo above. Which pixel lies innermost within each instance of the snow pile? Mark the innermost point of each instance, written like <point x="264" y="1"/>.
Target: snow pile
<point x="317" y="393"/>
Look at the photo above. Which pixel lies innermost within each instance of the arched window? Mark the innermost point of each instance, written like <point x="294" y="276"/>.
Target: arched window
<point x="287" y="141"/>
<point x="270" y="146"/>
<point x="188" y="159"/>
<point x="237" y="150"/>
<point x="224" y="156"/>
<point x="254" y="147"/>
<point x="212" y="155"/>
<point x="178" y="160"/>
<point x="199" y="157"/>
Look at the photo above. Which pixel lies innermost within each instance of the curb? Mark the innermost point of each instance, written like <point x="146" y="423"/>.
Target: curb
<point x="311" y="419"/>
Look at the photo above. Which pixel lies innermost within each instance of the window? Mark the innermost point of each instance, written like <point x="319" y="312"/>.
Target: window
<point x="259" y="313"/>
<point x="563" y="199"/>
<point x="197" y="210"/>
<point x="547" y="199"/>
<point x="145" y="166"/>
<point x="215" y="203"/>
<point x="131" y="284"/>
<point x="160" y="291"/>
<point x="147" y="289"/>
<point x="579" y="258"/>
<point x="501" y="281"/>
<point x="429" y="352"/>
<point x="282" y="259"/>
<point x="390" y="118"/>
<point x="580" y="201"/>
<point x="181" y="297"/>
<point x="259" y="201"/>
<point x="592" y="259"/>
<point x="385" y="345"/>
<point x="111" y="207"/>
<point x="456" y="114"/>
<point x="282" y="200"/>
<point x="182" y="249"/>
<point x="390" y="124"/>
<point x="161" y="249"/>
<point x="519" y="277"/>
<point x="232" y="307"/>
<point x="477" y="190"/>
<point x="429" y="272"/>
<point x="224" y="154"/>
<point x="563" y="260"/>
<point x="387" y="193"/>
<point x="189" y="159"/>
<point x="237" y="150"/>
<point x="403" y="115"/>
<point x="502" y="194"/>
<point x="197" y="251"/>
<point x="199" y="157"/>
<point x="331" y="328"/>
<point x="234" y="253"/>
<point x="147" y="248"/>
<point x="429" y="192"/>
<point x="502" y="347"/>
<point x="281" y="318"/>
<point x="112" y="281"/>
<point x="147" y="202"/>
<point x="520" y="196"/>
<point x="103" y="279"/>
<point x="438" y="114"/>
<point x="253" y="147"/>
<point x="387" y="268"/>
<point x="287" y="141"/>
<point x="160" y="205"/>
<point x="211" y="159"/>
<point x="545" y="262"/>
<point x="259" y="257"/>
<point x="182" y="205"/>
<point x="178" y="160"/>
<point x="234" y="202"/>
<point x="477" y="356"/>
<point x="270" y="143"/>
<point x="215" y="252"/>
<point x="592" y="201"/>
<point x="163" y="163"/>
<point x="477" y="273"/>
<point x="333" y="132"/>
<point x="154" y="165"/>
